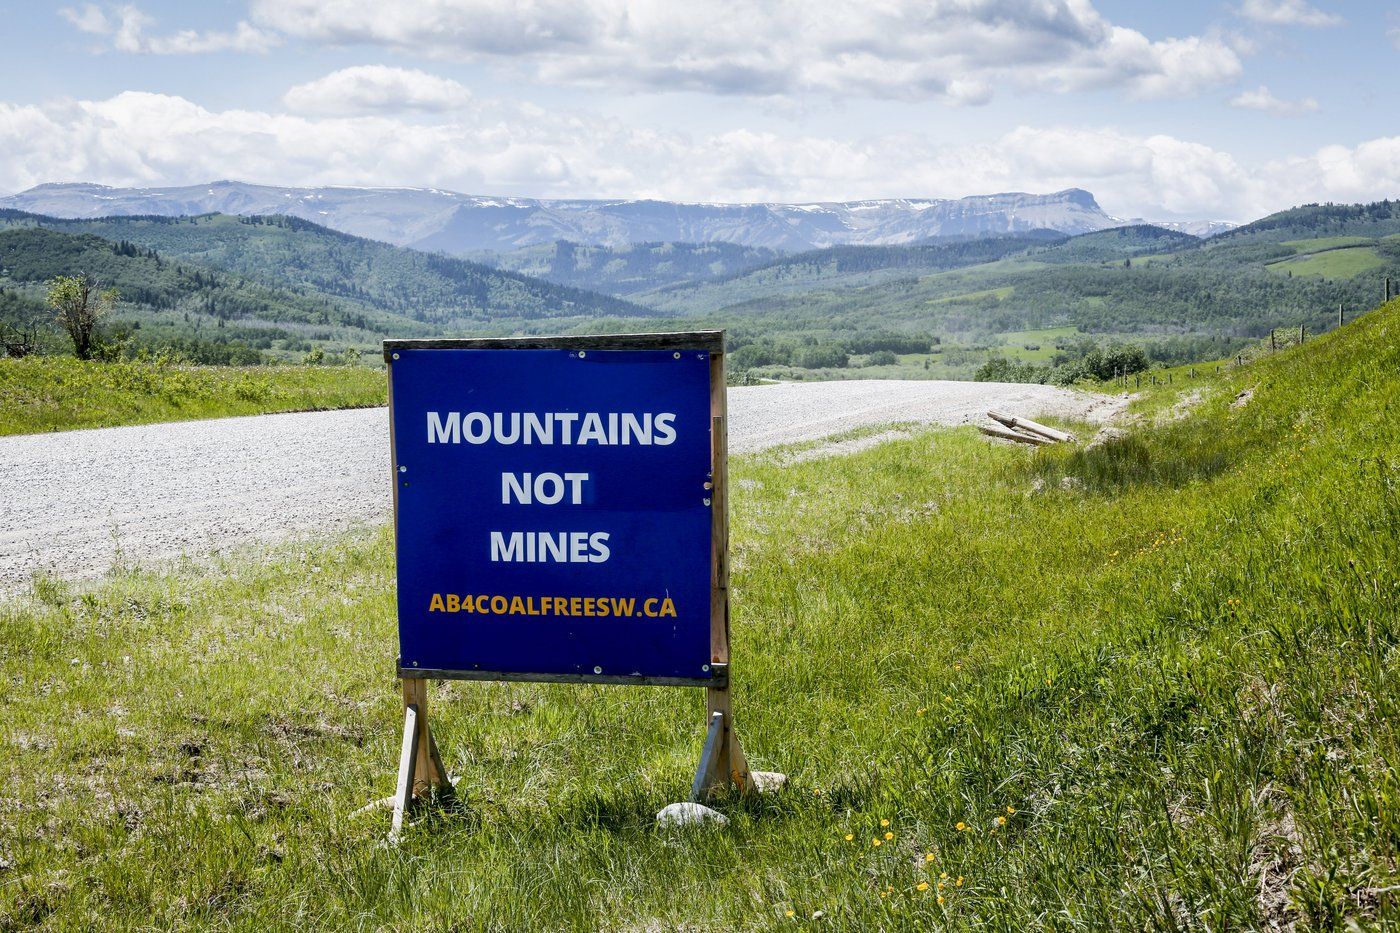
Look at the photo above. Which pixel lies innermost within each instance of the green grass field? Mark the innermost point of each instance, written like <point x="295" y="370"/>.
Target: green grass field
<point x="1338" y="263"/>
<point x="58" y="393"/>
<point x="1017" y="345"/>
<point x="1150" y="684"/>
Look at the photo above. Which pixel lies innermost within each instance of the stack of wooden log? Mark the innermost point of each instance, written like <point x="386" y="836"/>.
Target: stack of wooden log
<point x="1023" y="430"/>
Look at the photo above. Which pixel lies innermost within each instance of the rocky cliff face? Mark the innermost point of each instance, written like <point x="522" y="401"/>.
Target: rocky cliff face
<point x="432" y="219"/>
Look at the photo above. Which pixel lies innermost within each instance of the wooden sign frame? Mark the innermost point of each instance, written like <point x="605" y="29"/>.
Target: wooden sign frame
<point x="722" y="762"/>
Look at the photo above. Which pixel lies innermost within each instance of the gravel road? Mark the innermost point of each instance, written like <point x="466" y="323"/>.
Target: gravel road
<point x="76" y="502"/>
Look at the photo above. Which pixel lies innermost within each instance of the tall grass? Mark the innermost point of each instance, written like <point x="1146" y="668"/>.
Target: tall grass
<point x="57" y="393"/>
<point x="1150" y="685"/>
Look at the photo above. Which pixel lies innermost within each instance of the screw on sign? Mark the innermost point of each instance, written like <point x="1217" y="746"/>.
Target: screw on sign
<point x="567" y="523"/>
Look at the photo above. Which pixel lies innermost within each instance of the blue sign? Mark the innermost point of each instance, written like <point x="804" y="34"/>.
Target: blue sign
<point x="553" y="511"/>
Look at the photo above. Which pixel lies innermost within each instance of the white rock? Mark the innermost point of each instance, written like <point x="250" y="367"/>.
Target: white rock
<point x="689" y="814"/>
<point x="765" y="782"/>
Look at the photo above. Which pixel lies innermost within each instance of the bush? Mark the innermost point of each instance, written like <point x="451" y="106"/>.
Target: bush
<point x="1000" y="369"/>
<point x="822" y="358"/>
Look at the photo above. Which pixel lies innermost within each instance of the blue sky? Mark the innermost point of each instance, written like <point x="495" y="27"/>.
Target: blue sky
<point x="1191" y="109"/>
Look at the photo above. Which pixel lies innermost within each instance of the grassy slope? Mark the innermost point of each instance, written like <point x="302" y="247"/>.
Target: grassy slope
<point x="55" y="393"/>
<point x="1332" y="263"/>
<point x="1168" y="663"/>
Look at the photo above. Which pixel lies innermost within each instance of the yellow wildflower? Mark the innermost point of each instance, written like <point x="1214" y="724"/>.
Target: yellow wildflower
<point x="922" y="886"/>
<point x="1010" y="809"/>
<point x="884" y="822"/>
<point x="876" y="842"/>
<point x="943" y="875"/>
<point x="961" y="826"/>
<point x="929" y="857"/>
<point x="889" y="836"/>
<point x="959" y="881"/>
<point x="850" y="836"/>
<point x="789" y="913"/>
<point x="940" y="898"/>
<point x="1001" y="821"/>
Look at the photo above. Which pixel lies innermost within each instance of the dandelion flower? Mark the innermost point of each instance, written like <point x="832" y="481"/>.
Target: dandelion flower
<point x="959" y="881"/>
<point x="850" y="836"/>
<point x="876" y="842"/>
<point x="922" y="886"/>
<point x="1001" y="821"/>
<point x="884" y="822"/>
<point x="929" y="857"/>
<point x="943" y="875"/>
<point x="789" y="913"/>
<point x="961" y="826"/>
<point x="940" y="898"/>
<point x="884" y="894"/>
<point x="1010" y="809"/>
<point x="889" y="836"/>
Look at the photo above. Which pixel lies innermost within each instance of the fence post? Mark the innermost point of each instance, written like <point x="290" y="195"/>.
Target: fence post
<point x="1273" y="341"/>
<point x="1302" y="332"/>
<point x="1340" y="307"/>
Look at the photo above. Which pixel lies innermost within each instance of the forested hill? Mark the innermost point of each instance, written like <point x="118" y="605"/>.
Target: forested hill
<point x="1377" y="219"/>
<point x="845" y="267"/>
<point x="442" y="293"/>
<point x="30" y="256"/>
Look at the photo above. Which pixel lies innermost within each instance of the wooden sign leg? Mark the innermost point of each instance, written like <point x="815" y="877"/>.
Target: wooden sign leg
<point x="408" y="757"/>
<point x="420" y="764"/>
<point x="722" y="762"/>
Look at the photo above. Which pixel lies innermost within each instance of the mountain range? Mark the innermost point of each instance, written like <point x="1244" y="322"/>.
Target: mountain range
<point x="457" y="224"/>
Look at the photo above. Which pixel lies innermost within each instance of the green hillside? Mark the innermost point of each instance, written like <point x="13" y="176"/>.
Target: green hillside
<point x="165" y="300"/>
<point x="1145" y="684"/>
<point x="443" y="293"/>
<point x="842" y="267"/>
<point x="1117" y="244"/>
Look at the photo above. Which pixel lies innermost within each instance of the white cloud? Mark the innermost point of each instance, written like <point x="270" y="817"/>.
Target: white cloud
<point x="89" y="19"/>
<point x="492" y="147"/>
<point x="1287" y="13"/>
<point x="955" y="51"/>
<point x="1264" y="99"/>
<point x="126" y="25"/>
<point x="376" y="89"/>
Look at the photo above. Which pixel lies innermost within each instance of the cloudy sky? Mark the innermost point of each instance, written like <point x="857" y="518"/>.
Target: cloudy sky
<point x="1189" y="109"/>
